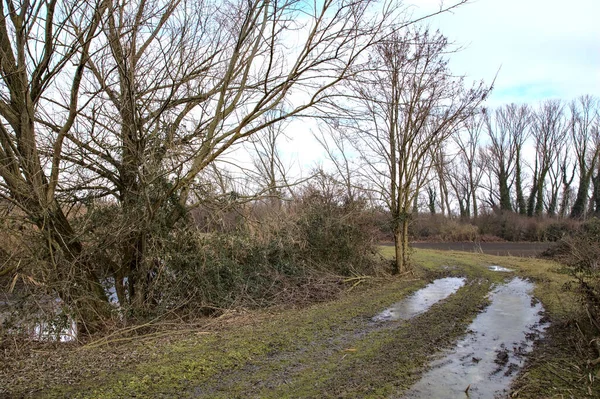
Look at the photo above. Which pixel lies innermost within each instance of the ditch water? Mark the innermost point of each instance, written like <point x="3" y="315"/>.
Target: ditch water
<point x="496" y="268"/>
<point x="484" y="363"/>
<point x="421" y="300"/>
<point x="43" y="322"/>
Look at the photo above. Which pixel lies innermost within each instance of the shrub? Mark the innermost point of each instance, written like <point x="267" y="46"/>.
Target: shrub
<point x="581" y="254"/>
<point x="294" y="254"/>
<point x="441" y="228"/>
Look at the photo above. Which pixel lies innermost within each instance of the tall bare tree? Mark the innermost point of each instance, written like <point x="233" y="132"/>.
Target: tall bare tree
<point x="441" y="164"/>
<point x="409" y="105"/>
<point x="43" y="49"/>
<point x="467" y="172"/>
<point x="586" y="143"/>
<point x="501" y="153"/>
<point x="548" y="131"/>
<point x="516" y="119"/>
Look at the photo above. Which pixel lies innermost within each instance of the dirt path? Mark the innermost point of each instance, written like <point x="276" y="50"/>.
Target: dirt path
<point x="332" y="350"/>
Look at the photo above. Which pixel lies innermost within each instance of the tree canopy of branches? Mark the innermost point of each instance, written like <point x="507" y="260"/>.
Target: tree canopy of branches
<point x="404" y="107"/>
<point x="132" y="101"/>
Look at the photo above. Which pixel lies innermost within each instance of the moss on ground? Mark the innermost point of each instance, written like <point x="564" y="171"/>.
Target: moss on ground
<point x="332" y="349"/>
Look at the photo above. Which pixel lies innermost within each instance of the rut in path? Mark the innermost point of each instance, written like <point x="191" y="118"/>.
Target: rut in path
<point x="485" y="362"/>
<point x="358" y="357"/>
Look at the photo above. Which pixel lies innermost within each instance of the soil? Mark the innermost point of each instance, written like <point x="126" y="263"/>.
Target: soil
<point x="327" y="350"/>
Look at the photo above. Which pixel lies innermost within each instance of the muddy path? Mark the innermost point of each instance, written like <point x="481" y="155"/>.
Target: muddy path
<point x="463" y="326"/>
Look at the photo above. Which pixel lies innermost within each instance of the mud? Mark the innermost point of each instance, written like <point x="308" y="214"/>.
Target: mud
<point x="484" y="363"/>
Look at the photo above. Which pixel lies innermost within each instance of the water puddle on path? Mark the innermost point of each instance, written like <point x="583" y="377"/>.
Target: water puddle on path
<point x="421" y="300"/>
<point x="491" y="354"/>
<point x="496" y="268"/>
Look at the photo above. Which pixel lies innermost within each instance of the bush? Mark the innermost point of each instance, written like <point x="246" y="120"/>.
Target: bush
<point x="510" y="226"/>
<point x="336" y="236"/>
<point x="299" y="253"/>
<point x="581" y="254"/>
<point x="441" y="228"/>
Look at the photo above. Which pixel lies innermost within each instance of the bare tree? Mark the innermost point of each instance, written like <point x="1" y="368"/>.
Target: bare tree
<point x="516" y="119"/>
<point x="567" y="173"/>
<point x="556" y="179"/>
<point x="43" y="48"/>
<point x="584" y="119"/>
<point x="548" y="130"/>
<point x="269" y="167"/>
<point x="467" y="174"/>
<point x="409" y="105"/>
<point x="501" y="153"/>
<point x="440" y="164"/>
<point x="337" y="149"/>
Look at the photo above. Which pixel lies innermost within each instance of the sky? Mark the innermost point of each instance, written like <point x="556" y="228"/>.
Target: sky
<point x="535" y="50"/>
<point x="540" y="48"/>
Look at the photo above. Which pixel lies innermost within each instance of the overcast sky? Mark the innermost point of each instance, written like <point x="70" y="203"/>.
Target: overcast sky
<point x="542" y="48"/>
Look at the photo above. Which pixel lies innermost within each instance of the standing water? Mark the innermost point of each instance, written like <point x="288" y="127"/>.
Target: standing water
<point x="484" y="363"/>
<point x="421" y="300"/>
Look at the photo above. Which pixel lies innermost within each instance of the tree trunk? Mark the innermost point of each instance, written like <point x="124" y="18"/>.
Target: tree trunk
<point x="401" y="246"/>
<point x="405" y="246"/>
<point x="83" y="293"/>
<point x="539" y="203"/>
<point x="596" y="193"/>
<point x="505" y="204"/>
<point x="398" y="265"/>
<point x="521" y="204"/>
<point x="432" y="197"/>
<point x="578" y="210"/>
<point x="474" y="201"/>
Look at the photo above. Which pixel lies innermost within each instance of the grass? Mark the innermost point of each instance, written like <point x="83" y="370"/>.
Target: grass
<point x="329" y="349"/>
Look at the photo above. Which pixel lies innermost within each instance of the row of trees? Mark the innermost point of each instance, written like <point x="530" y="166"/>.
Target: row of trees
<point x="134" y="102"/>
<point x="449" y="155"/>
<point x="533" y="161"/>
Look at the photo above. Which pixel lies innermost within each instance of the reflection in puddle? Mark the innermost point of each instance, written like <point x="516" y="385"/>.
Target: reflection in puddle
<point x="421" y="300"/>
<point x="489" y="356"/>
<point x="496" y="268"/>
<point x="44" y="320"/>
<point x="44" y="331"/>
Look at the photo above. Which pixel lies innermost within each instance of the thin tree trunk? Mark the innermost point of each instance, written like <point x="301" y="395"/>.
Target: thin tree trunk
<point x="578" y="210"/>
<point x="398" y="265"/>
<point x="405" y="246"/>
<point x="401" y="246"/>
<point x="521" y="204"/>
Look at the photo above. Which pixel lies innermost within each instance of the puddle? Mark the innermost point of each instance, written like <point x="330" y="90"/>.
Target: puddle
<point x="44" y="331"/>
<point x="421" y="300"/>
<point x="496" y="268"/>
<point x="491" y="354"/>
<point x="45" y="321"/>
